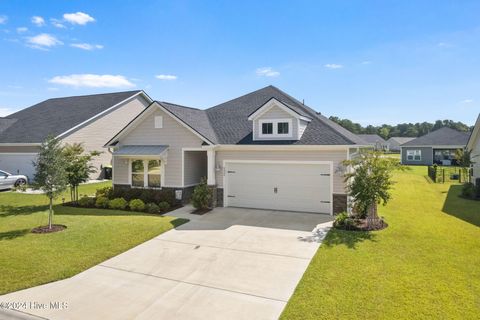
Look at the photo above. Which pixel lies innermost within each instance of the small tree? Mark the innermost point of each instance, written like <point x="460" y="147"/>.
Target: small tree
<point x="369" y="182"/>
<point x="50" y="175"/>
<point x="78" y="168"/>
<point x="465" y="161"/>
<point x="202" y="195"/>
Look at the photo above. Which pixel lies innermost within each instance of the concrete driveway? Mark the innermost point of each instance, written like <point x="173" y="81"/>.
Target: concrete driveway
<point x="227" y="264"/>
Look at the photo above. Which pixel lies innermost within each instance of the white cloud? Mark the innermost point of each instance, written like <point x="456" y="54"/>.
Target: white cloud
<point x="366" y="62"/>
<point x="166" y="77"/>
<point x="444" y="45"/>
<point x="78" y="18"/>
<point x="38" y="21"/>
<point x="333" y="66"/>
<point x="22" y="29"/>
<point x="467" y="101"/>
<point x="43" y="41"/>
<point x="52" y="89"/>
<point x="3" y="19"/>
<point x="5" y="111"/>
<point x="267" y="72"/>
<point x="87" y="46"/>
<point x="57" y="23"/>
<point x="93" y="81"/>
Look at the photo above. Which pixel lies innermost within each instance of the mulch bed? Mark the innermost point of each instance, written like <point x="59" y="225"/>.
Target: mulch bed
<point x="45" y="229"/>
<point x="200" y="211"/>
<point x="361" y="225"/>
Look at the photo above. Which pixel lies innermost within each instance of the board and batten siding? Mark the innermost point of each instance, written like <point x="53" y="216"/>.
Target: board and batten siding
<point x="95" y="134"/>
<point x="173" y="134"/>
<point x="275" y="113"/>
<point x="336" y="156"/>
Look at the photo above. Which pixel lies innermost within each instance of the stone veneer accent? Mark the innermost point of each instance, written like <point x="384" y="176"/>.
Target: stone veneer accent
<point x="340" y="203"/>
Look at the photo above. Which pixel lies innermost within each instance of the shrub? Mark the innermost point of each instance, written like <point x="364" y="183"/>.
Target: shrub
<point x="101" y="202"/>
<point x="477" y="188"/>
<point x="136" y="205"/>
<point x="202" y="195"/>
<point x="164" y="206"/>
<point x="340" y="219"/>
<point x="86" y="202"/>
<point x="106" y="192"/>
<point x="152" y="208"/>
<point x="146" y="195"/>
<point x="468" y="190"/>
<point x="118" y="203"/>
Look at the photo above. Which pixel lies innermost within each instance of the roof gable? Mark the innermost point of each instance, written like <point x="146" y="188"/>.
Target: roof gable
<point x="59" y="115"/>
<point x="372" y="138"/>
<point x="272" y="103"/>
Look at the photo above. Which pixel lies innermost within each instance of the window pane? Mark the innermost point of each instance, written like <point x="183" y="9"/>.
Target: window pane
<point x="267" y="128"/>
<point x="283" y="128"/>
<point x="154" y="173"/>
<point x="137" y="166"/>
<point x="137" y="173"/>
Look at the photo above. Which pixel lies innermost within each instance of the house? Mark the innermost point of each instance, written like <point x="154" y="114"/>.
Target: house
<point x="474" y="146"/>
<point x="437" y="147"/>
<point x="83" y="119"/>
<point x="375" y="141"/>
<point x="262" y="150"/>
<point x="394" y="143"/>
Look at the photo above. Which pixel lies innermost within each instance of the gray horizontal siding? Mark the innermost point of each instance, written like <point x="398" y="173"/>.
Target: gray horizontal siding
<point x="427" y="156"/>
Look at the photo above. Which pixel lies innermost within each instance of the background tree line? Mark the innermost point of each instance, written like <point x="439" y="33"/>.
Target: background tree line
<point x="401" y="130"/>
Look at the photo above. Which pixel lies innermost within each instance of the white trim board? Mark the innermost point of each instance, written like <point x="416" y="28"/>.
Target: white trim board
<point x="225" y="179"/>
<point x="276" y="103"/>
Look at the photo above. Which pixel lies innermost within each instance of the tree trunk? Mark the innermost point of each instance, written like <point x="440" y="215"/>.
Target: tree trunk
<point x="372" y="216"/>
<point x="50" y="214"/>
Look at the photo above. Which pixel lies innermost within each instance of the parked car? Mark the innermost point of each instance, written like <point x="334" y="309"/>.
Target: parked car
<point x="8" y="180"/>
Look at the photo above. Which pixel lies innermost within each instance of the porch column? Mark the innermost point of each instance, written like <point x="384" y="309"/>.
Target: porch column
<point x="211" y="167"/>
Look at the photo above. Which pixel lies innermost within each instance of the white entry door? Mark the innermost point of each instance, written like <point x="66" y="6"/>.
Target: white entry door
<point x="279" y="186"/>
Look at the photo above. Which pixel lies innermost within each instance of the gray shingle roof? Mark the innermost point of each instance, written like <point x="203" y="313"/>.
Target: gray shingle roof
<point x="400" y="140"/>
<point x="230" y="122"/>
<point x="442" y="137"/>
<point x="371" y="138"/>
<point x="195" y="118"/>
<point x="55" y="116"/>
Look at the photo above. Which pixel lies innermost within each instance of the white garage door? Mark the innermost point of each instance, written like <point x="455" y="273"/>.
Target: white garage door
<point x="279" y="186"/>
<point x="18" y="163"/>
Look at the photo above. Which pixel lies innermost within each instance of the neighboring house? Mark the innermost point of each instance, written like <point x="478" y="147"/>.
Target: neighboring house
<point x="262" y="150"/>
<point x="375" y="141"/>
<point x="394" y="143"/>
<point x="87" y="119"/>
<point x="474" y="145"/>
<point x="437" y="147"/>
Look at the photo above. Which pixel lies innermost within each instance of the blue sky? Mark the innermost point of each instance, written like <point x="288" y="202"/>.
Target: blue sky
<point x="371" y="61"/>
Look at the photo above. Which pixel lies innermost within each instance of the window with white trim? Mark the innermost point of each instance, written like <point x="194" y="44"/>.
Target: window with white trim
<point x="158" y="122"/>
<point x="267" y="128"/>
<point x="414" y="155"/>
<point x="275" y="128"/>
<point x="146" y="173"/>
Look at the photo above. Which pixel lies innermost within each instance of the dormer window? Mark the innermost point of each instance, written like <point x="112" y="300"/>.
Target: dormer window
<point x="283" y="128"/>
<point x="278" y="128"/>
<point x="267" y="128"/>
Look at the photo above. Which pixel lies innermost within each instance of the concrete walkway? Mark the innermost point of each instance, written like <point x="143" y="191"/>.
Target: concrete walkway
<point x="227" y="264"/>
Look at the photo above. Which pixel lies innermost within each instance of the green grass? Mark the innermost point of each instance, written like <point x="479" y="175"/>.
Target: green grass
<point x="92" y="236"/>
<point x="425" y="265"/>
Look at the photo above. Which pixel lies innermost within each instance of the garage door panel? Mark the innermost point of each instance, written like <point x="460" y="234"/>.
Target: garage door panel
<point x="18" y="163"/>
<point x="299" y="186"/>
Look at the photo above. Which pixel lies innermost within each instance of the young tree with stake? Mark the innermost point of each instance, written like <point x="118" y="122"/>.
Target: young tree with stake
<point x="50" y="175"/>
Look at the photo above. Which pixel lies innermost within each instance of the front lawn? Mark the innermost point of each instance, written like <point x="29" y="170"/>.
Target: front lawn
<point x="425" y="265"/>
<point x="92" y="236"/>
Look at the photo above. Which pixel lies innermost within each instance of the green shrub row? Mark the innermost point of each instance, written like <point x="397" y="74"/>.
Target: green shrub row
<point x="471" y="191"/>
<point x="146" y="195"/>
<point x="103" y="202"/>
